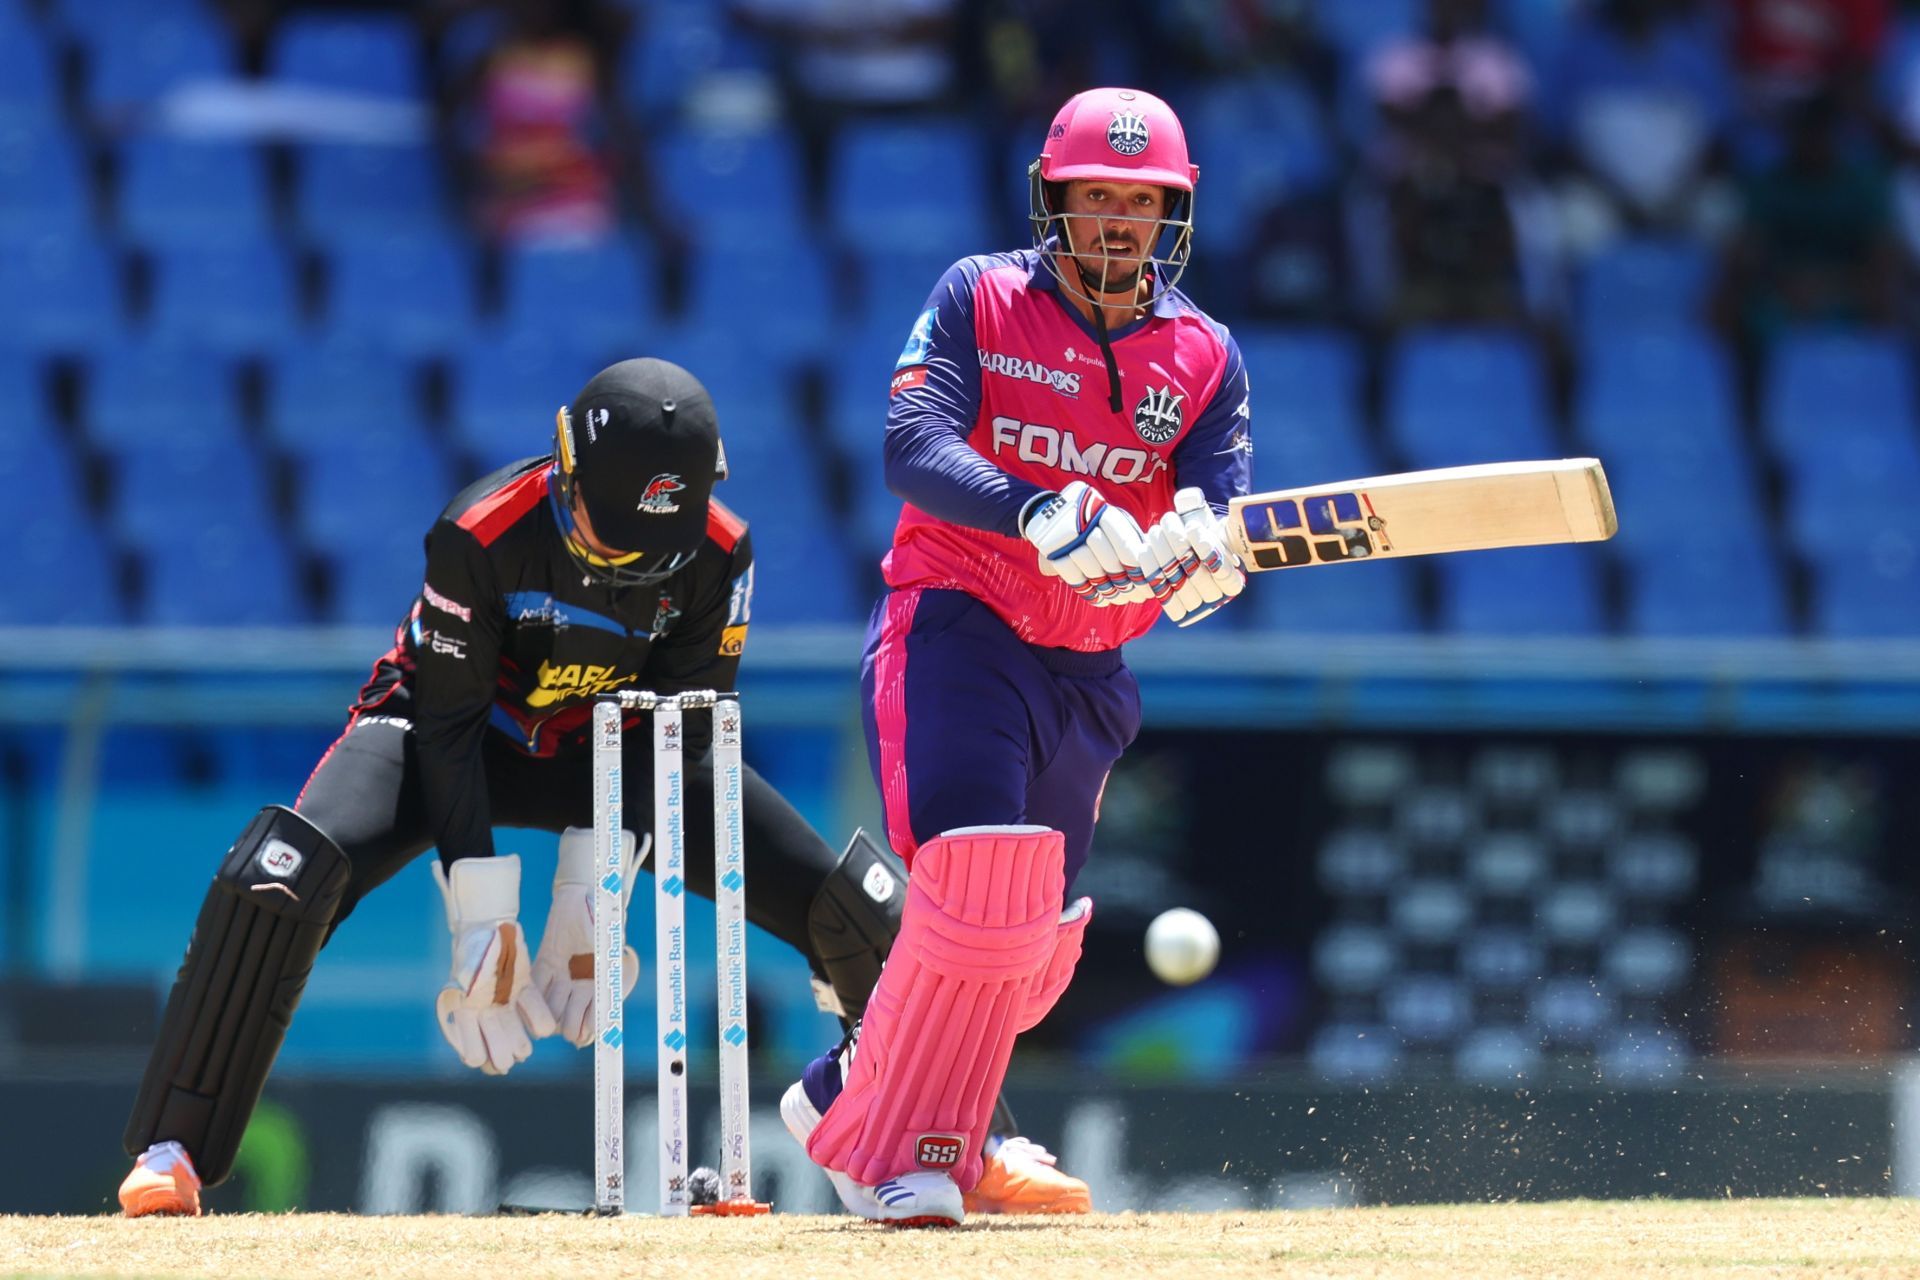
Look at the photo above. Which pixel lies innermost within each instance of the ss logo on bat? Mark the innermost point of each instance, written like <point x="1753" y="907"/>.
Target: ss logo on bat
<point x="1326" y="527"/>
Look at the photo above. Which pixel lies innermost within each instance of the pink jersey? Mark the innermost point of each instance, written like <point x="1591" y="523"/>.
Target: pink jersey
<point x="1002" y="393"/>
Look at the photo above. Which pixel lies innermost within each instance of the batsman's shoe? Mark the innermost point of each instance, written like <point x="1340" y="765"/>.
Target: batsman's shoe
<point x="1021" y="1176"/>
<point x="162" y="1181"/>
<point x="910" y="1200"/>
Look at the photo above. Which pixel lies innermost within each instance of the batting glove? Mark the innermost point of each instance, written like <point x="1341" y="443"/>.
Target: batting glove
<point x="1094" y="547"/>
<point x="563" y="967"/>
<point x="488" y="1005"/>
<point x="1191" y="571"/>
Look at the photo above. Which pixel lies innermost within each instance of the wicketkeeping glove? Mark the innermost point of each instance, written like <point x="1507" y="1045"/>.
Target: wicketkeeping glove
<point x="563" y="967"/>
<point x="1093" y="546"/>
<point x="1190" y="569"/>
<point x="488" y="1006"/>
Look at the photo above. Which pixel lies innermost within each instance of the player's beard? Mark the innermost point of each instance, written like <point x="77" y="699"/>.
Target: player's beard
<point x="1109" y="275"/>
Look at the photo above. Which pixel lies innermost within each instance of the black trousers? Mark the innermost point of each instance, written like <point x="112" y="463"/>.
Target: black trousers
<point x="366" y="795"/>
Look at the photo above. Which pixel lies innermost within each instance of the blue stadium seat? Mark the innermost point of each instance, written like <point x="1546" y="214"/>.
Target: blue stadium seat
<point x="734" y="188"/>
<point x="178" y="193"/>
<point x="374" y="583"/>
<point x="365" y="494"/>
<point x="59" y="575"/>
<point x="370" y="53"/>
<point x="233" y="299"/>
<point x="347" y="192"/>
<point x="62" y="294"/>
<point x="1354" y="29"/>
<point x="43" y="189"/>
<point x="28" y="84"/>
<point x="1824" y="484"/>
<point x="727" y="282"/>
<point x="1694" y="499"/>
<point x="598" y="299"/>
<point x="26" y="419"/>
<point x="163" y="490"/>
<point x="146" y="395"/>
<point x="1465" y="396"/>
<point x="1637" y="285"/>
<point x="133" y="62"/>
<point x="1875" y="595"/>
<point x="413" y="298"/>
<point x="1361" y="599"/>
<point x="1308" y="427"/>
<point x="1706" y="589"/>
<point x="1852" y="527"/>
<point x="340" y="391"/>
<point x="1522" y="591"/>
<point x="1650" y="393"/>
<point x="1820" y="385"/>
<point x="905" y="186"/>
<point x="894" y="288"/>
<point x="800" y="577"/>
<point x="674" y="46"/>
<point x="857" y="372"/>
<point x="227" y="572"/>
<point x="505" y="394"/>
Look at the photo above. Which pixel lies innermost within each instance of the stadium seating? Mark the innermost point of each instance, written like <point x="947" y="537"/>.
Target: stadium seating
<point x="729" y="281"/>
<point x="367" y="193"/>
<point x="28" y="95"/>
<point x="133" y="63"/>
<point x="1654" y="393"/>
<point x="505" y="393"/>
<point x="914" y="186"/>
<point x="43" y="191"/>
<point x="412" y="298"/>
<point x="1359" y="599"/>
<point x="367" y="53"/>
<point x="677" y="45"/>
<point x="598" y="300"/>
<point x="62" y="292"/>
<point x="1465" y="396"/>
<point x="733" y="188"/>
<point x="1686" y="588"/>
<point x="1637" y="285"/>
<point x="342" y="391"/>
<point x="176" y="193"/>
<point x="145" y="395"/>
<point x="1309" y="427"/>
<point x="233" y="299"/>
<point x="1824" y="384"/>
<point x="1522" y="591"/>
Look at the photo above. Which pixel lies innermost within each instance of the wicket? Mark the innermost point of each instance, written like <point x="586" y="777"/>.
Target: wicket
<point x="670" y="972"/>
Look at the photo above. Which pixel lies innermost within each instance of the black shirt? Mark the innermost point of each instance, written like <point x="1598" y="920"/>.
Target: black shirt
<point x="509" y="637"/>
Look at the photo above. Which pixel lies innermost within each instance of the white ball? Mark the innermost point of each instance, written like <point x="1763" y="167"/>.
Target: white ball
<point x="1182" y="946"/>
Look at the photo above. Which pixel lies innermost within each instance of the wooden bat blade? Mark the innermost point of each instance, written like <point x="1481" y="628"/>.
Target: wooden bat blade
<point x="1423" y="513"/>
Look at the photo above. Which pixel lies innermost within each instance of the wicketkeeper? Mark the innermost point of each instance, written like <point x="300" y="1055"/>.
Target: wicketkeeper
<point x="606" y="565"/>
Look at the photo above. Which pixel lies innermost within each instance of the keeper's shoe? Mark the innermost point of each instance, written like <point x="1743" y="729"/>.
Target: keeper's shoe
<point x="162" y="1182"/>
<point x="918" y="1199"/>
<point x="1021" y="1176"/>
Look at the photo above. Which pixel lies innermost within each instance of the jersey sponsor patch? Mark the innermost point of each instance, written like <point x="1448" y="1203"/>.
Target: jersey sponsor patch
<point x="574" y="680"/>
<point x="907" y="380"/>
<point x="919" y="341"/>
<point x="444" y="605"/>
<point x="733" y="641"/>
<point x="1067" y="384"/>
<point x="1049" y="446"/>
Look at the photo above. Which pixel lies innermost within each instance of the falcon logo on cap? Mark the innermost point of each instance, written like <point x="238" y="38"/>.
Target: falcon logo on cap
<point x="1128" y="134"/>
<point x="658" y="498"/>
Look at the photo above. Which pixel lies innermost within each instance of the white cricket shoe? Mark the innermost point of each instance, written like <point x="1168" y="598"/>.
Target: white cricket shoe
<point x="919" y="1199"/>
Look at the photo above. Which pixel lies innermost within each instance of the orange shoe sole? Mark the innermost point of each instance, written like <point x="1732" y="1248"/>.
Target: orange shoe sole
<point x="145" y="1195"/>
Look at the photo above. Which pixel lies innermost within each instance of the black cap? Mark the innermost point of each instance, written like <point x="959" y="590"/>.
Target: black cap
<point x="643" y="450"/>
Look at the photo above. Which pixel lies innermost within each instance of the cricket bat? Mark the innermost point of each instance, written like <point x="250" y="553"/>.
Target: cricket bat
<point x="1423" y="513"/>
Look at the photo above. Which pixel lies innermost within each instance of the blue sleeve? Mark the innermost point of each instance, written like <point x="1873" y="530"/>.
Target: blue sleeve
<point x="1217" y="455"/>
<point x="935" y="398"/>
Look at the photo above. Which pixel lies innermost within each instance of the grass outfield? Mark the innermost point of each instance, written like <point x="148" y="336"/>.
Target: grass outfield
<point x="1584" y="1239"/>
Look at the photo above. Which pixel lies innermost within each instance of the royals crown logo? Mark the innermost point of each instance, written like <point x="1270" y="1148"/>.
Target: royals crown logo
<point x="1128" y="134"/>
<point x="1158" y="417"/>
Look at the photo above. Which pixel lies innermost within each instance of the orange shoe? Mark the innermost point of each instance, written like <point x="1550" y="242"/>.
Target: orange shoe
<point x="1021" y="1177"/>
<point x="162" y="1181"/>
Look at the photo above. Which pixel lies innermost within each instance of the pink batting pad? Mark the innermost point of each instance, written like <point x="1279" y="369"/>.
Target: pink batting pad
<point x="1069" y="936"/>
<point x="976" y="939"/>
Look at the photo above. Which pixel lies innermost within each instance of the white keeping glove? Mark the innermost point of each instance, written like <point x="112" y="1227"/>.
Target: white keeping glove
<point x="1094" y="547"/>
<point x="563" y="967"/>
<point x="1191" y="571"/>
<point x="488" y="1006"/>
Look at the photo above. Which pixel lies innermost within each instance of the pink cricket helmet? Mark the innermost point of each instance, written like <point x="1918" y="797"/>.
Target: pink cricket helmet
<point x="1116" y="135"/>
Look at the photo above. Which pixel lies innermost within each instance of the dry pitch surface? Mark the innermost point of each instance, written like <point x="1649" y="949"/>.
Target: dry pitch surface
<point x="1585" y="1239"/>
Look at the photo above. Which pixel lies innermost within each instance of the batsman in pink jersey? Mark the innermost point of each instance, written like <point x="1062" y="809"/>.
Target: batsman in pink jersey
<point x="1065" y="429"/>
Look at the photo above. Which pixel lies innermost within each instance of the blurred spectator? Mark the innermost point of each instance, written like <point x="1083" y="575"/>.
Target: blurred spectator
<point x="1816" y="243"/>
<point x="1643" y="103"/>
<point x="541" y="125"/>
<point x="1454" y="104"/>
<point x="1789" y="49"/>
